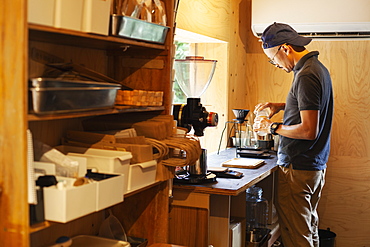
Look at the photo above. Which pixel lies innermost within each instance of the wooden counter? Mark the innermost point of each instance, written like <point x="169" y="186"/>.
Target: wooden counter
<point x="232" y="186"/>
<point x="204" y="214"/>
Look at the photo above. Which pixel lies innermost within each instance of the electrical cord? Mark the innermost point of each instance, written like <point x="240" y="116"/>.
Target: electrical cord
<point x="222" y="133"/>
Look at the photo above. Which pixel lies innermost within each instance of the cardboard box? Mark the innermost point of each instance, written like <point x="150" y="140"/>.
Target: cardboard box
<point x="151" y="129"/>
<point x="68" y="14"/>
<point x="96" y="16"/>
<point x="41" y="12"/>
<point x="137" y="145"/>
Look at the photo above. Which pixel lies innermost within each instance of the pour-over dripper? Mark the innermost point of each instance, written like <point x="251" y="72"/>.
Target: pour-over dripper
<point x="194" y="74"/>
<point x="240" y="114"/>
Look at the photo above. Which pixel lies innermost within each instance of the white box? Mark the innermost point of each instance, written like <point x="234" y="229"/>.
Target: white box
<point x="96" y="16"/>
<point x="68" y="14"/>
<point x="236" y="233"/>
<point x="102" y="161"/>
<point x="141" y="175"/>
<point x="69" y="203"/>
<point x="41" y="12"/>
<point x="44" y="168"/>
<point x="109" y="190"/>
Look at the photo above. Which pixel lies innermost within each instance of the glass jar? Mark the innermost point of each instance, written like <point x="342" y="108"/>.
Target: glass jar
<point x="262" y="114"/>
<point x="251" y="137"/>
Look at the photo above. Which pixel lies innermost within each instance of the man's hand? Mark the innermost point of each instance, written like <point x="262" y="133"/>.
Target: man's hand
<point x="274" y="107"/>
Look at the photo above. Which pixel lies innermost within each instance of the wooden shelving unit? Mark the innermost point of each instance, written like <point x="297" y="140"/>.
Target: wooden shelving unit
<point x="74" y="38"/>
<point x="144" y="213"/>
<point x="117" y="110"/>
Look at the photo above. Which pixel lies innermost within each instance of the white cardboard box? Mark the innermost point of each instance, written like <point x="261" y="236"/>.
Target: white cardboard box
<point x="69" y="203"/>
<point x="41" y="12"/>
<point x="68" y="14"/>
<point x="141" y="175"/>
<point x="96" y="16"/>
<point x="92" y="16"/>
<point x="102" y="161"/>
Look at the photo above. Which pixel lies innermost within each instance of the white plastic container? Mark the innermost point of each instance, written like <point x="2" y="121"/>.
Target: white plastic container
<point x="96" y="16"/>
<point x="68" y="14"/>
<point x="102" y="161"/>
<point x="110" y="191"/>
<point x="141" y="175"/>
<point x="41" y="12"/>
<point x="69" y="203"/>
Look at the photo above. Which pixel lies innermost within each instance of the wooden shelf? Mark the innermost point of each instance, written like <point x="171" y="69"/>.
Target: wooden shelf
<point x="46" y="224"/>
<point x="118" y="109"/>
<point x="40" y="226"/>
<point x="81" y="39"/>
<point x="105" y="55"/>
<point x="134" y="192"/>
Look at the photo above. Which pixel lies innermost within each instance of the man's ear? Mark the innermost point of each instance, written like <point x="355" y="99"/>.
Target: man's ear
<point x="287" y="49"/>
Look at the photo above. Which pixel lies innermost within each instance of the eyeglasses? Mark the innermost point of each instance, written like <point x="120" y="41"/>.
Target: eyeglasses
<point x="272" y="59"/>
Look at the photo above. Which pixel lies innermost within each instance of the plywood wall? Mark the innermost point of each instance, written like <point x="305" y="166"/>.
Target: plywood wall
<point x="198" y="17"/>
<point x="214" y="98"/>
<point x="345" y="205"/>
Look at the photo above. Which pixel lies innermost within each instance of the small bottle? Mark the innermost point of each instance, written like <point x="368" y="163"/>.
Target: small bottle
<point x="262" y="114"/>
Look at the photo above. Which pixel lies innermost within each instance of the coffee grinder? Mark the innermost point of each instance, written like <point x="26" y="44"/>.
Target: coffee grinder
<point x="194" y="75"/>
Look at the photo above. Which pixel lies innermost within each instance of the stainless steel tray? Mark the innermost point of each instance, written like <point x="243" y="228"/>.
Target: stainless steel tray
<point x="137" y="29"/>
<point x="51" y="96"/>
<point x="93" y="241"/>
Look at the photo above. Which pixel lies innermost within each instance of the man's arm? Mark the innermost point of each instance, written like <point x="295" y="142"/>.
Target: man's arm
<point x="308" y="129"/>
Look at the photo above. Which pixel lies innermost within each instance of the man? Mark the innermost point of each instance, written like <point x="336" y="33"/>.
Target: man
<point x="304" y="134"/>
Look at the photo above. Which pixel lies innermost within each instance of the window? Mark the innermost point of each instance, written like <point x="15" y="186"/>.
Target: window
<point x="215" y="98"/>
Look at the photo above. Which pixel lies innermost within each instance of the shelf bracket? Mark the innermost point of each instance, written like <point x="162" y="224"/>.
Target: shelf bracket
<point x="125" y="47"/>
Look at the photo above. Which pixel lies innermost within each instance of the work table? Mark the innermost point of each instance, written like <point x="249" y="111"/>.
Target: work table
<point x="214" y="213"/>
<point x="232" y="186"/>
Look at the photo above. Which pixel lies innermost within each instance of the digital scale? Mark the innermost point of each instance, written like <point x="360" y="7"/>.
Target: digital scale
<point x="224" y="172"/>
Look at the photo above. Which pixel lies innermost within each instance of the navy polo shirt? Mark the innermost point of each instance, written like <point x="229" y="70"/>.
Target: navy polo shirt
<point x="311" y="90"/>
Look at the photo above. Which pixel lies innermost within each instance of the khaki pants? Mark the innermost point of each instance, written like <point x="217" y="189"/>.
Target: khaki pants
<point x="298" y="196"/>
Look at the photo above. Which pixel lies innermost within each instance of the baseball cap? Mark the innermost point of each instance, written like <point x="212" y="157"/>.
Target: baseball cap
<point x="280" y="33"/>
